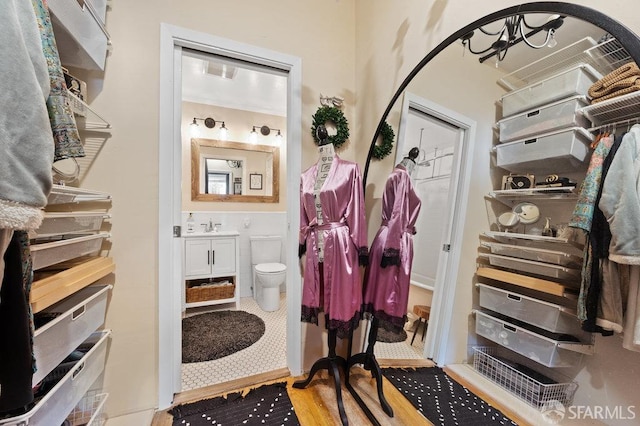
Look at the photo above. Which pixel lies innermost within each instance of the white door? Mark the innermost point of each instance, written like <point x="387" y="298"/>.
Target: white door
<point x="173" y="40"/>
<point x="441" y="178"/>
<point x="197" y="257"/>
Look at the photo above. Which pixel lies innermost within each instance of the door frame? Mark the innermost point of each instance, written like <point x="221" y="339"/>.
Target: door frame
<point x="170" y="268"/>
<point x="441" y="316"/>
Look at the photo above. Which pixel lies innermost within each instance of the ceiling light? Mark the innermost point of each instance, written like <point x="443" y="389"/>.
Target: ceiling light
<point x="514" y="30"/>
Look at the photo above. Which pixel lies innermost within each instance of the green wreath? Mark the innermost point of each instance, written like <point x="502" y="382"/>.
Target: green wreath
<point x="384" y="148"/>
<point x="334" y="115"/>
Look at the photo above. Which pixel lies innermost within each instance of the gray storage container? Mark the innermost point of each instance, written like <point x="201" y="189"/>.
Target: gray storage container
<point x="533" y="253"/>
<point x="545" y="119"/>
<point x="533" y="267"/>
<point x="47" y="254"/>
<point x="78" y="316"/>
<point x="56" y="405"/>
<point x="554" y="152"/>
<point x="70" y="223"/>
<point x="572" y="82"/>
<point x="548" y="316"/>
<point x="541" y="349"/>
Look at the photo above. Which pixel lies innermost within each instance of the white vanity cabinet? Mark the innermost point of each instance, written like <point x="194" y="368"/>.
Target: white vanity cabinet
<point x="211" y="269"/>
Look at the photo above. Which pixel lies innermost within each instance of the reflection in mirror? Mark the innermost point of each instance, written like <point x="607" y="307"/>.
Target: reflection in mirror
<point x="234" y="171"/>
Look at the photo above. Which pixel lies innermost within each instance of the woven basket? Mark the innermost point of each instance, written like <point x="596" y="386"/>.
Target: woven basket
<point x="202" y="294"/>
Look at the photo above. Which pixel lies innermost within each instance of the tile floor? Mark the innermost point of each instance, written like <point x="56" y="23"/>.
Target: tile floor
<point x="401" y="350"/>
<point x="269" y="353"/>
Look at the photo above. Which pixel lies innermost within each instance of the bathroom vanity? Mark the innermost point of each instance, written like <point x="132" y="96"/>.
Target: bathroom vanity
<point x="211" y="269"/>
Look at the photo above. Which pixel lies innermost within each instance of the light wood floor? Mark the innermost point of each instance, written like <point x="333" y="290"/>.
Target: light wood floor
<point x="316" y="404"/>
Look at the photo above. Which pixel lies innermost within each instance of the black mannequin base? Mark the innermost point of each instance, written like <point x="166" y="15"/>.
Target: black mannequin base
<point x="333" y="364"/>
<point x="369" y="362"/>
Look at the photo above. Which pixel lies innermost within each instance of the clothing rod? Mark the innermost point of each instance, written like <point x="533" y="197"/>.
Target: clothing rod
<point x="628" y="121"/>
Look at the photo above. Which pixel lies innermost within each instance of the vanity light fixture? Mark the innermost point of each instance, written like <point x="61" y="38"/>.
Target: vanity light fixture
<point x="209" y="123"/>
<point x="234" y="164"/>
<point x="264" y="131"/>
<point x="514" y="30"/>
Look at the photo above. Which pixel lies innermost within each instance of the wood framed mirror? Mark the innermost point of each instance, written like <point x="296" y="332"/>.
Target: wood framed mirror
<point x="229" y="171"/>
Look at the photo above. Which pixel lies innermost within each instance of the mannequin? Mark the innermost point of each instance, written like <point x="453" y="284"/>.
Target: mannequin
<point x="333" y="238"/>
<point x="386" y="281"/>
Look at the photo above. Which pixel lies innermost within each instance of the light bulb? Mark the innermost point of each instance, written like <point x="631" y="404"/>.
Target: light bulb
<point x="552" y="39"/>
<point x="194" y="129"/>
<point x="279" y="137"/>
<point x="253" y="136"/>
<point x="224" y="133"/>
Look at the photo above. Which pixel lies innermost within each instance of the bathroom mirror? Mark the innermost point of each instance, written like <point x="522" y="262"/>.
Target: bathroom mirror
<point x="586" y="15"/>
<point x="234" y="171"/>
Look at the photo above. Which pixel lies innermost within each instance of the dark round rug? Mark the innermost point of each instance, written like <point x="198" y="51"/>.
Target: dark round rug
<point x="214" y="335"/>
<point x="386" y="336"/>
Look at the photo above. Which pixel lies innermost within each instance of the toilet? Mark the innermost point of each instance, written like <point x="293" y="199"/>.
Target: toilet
<point x="268" y="272"/>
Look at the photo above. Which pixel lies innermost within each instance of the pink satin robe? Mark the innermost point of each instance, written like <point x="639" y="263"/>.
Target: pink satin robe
<point x="386" y="290"/>
<point x="345" y="238"/>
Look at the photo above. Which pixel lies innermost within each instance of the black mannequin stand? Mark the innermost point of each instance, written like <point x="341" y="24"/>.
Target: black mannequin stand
<point x="333" y="364"/>
<point x="369" y="362"/>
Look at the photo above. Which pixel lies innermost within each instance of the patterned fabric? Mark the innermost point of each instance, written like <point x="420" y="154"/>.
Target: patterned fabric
<point x="583" y="212"/>
<point x="63" y="124"/>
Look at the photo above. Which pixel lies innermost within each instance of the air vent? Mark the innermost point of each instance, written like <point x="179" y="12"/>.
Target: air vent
<point x="220" y="70"/>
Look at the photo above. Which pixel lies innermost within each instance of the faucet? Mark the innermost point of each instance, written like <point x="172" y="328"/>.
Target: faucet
<point x="208" y="227"/>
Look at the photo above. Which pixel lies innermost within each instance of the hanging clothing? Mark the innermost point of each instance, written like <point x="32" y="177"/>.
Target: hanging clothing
<point x="596" y="249"/>
<point x="26" y="143"/>
<point x="620" y="201"/>
<point x="631" y="338"/>
<point x="63" y="123"/>
<point x="341" y="201"/>
<point x="387" y="277"/>
<point x="17" y="362"/>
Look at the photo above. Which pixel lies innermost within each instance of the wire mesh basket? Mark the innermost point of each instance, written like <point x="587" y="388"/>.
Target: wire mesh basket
<point x="89" y="410"/>
<point x="532" y="391"/>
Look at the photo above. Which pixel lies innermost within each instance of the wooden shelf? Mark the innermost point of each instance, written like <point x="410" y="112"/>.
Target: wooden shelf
<point x="538" y="284"/>
<point x="55" y="285"/>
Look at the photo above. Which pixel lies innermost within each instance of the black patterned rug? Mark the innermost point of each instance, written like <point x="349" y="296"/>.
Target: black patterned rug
<point x="265" y="406"/>
<point x="214" y="335"/>
<point x="442" y="400"/>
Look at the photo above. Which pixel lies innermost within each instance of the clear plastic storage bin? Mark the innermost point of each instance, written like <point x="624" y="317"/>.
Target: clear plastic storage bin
<point x="536" y="254"/>
<point x="55" y="406"/>
<point x="539" y="348"/>
<point x="532" y="267"/>
<point x="70" y="223"/>
<point x="545" y="119"/>
<point x="76" y="317"/>
<point x="549" y="153"/>
<point x="571" y="82"/>
<point x="548" y="316"/>
<point x="47" y="254"/>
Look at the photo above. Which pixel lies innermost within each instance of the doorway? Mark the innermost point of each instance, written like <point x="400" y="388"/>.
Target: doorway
<point x="441" y="179"/>
<point x="170" y="270"/>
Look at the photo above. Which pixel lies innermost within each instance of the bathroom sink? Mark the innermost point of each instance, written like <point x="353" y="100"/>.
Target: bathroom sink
<point x="211" y="234"/>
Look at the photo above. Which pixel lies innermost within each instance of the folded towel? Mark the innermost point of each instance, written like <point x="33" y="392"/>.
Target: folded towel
<point x="622" y="77"/>
<point x="622" y="91"/>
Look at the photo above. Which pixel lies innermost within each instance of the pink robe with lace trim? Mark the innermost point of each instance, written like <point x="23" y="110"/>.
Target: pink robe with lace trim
<point x="386" y="291"/>
<point x="345" y="238"/>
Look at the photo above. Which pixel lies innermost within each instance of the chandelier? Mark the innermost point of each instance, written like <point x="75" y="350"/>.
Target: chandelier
<point x="514" y="30"/>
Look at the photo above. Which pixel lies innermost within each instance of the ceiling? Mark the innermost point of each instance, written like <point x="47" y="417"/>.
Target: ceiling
<point x="213" y="80"/>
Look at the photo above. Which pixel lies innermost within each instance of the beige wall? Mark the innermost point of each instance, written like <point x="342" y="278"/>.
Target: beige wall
<point x="391" y="37"/>
<point x="319" y="32"/>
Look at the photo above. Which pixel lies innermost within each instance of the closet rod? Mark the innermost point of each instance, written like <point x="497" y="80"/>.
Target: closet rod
<point x="613" y="125"/>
